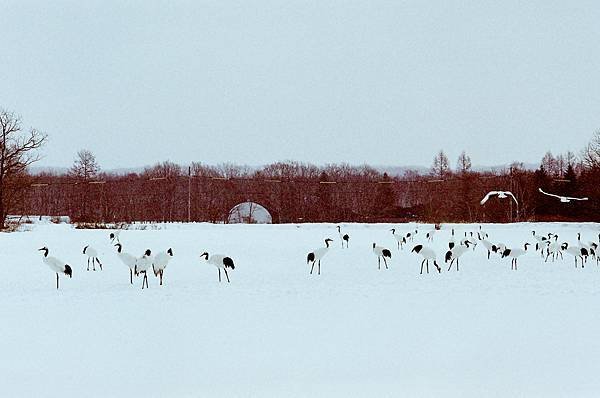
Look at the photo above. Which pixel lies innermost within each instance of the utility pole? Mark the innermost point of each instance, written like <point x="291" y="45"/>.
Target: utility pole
<point x="189" y="193"/>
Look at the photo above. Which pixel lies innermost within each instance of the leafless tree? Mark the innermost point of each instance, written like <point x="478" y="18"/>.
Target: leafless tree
<point x="464" y="163"/>
<point x="550" y="164"/>
<point x="18" y="150"/>
<point x="440" y="167"/>
<point x="85" y="166"/>
<point x="590" y="155"/>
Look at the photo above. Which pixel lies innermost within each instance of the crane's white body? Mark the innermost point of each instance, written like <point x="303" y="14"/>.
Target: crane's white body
<point x="114" y="236"/>
<point x="381" y="252"/>
<point x="428" y="255"/>
<point x="552" y="249"/>
<point x="500" y="194"/>
<point x="576" y="252"/>
<point x="456" y="253"/>
<point x="160" y="262"/>
<point x="221" y="261"/>
<point x="489" y="246"/>
<point x="316" y="255"/>
<point x="92" y="254"/>
<point x="142" y="264"/>
<point x="343" y="237"/>
<point x="57" y="266"/>
<point x="127" y="259"/>
<point x="54" y="264"/>
<point x="514" y="254"/>
<point x="400" y="239"/>
<point x="563" y="199"/>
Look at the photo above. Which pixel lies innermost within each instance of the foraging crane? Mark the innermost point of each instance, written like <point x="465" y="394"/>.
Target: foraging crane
<point x="541" y="242"/>
<point x="220" y="261"/>
<point x="114" y="236"/>
<point x="455" y="254"/>
<point x="126" y="259"/>
<point x="411" y="236"/>
<point x="430" y="235"/>
<point x="483" y="234"/>
<point x="451" y="242"/>
<point x="576" y="251"/>
<point x="56" y="265"/>
<point x="563" y="199"/>
<point x="427" y="254"/>
<point x="584" y="247"/>
<point x="92" y="254"/>
<point x="514" y="254"/>
<point x="343" y="237"/>
<point x="142" y="265"/>
<point x="160" y="263"/>
<point x="500" y="194"/>
<point x="489" y="246"/>
<point x="401" y="240"/>
<point x="381" y="252"/>
<point x="317" y="255"/>
<point x="464" y="241"/>
<point x="554" y="249"/>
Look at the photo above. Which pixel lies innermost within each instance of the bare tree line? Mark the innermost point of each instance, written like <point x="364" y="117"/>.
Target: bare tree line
<point x="292" y="191"/>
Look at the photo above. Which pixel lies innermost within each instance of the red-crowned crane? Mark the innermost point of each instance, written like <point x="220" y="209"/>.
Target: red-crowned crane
<point x="220" y="261"/>
<point x="317" y="255"/>
<point x="343" y="237"/>
<point x="427" y="254"/>
<point x="514" y="254"/>
<point x="160" y="263"/>
<point x="92" y="254"/>
<point x="126" y="259"/>
<point x="381" y="252"/>
<point x="56" y="265"/>
<point x="142" y="265"/>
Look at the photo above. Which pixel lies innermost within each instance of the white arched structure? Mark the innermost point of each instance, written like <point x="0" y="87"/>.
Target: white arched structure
<point x="249" y="213"/>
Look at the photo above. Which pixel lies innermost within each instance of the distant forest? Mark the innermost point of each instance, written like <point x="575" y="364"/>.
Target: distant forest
<point x="294" y="192"/>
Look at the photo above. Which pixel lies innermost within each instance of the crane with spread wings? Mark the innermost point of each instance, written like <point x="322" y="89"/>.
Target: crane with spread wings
<point x="563" y="199"/>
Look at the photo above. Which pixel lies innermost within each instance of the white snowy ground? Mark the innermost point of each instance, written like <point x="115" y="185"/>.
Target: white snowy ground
<point x="278" y="331"/>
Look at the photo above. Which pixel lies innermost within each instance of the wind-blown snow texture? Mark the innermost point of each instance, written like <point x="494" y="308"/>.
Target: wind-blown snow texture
<point x="275" y="330"/>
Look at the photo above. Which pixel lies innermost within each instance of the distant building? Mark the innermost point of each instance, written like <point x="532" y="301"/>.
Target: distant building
<point x="249" y="213"/>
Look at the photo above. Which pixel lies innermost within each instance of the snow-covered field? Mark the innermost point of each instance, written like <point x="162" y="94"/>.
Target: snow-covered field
<point x="275" y="330"/>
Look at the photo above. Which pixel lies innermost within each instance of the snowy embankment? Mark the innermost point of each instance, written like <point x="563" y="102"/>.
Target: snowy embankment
<point x="275" y="330"/>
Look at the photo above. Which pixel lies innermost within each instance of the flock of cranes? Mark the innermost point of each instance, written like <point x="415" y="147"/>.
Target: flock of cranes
<point x="549" y="247"/>
<point x="138" y="266"/>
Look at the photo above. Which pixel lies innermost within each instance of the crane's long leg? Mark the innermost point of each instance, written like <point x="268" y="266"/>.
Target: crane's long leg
<point x="130" y="276"/>
<point x="422" y="263"/>
<point x="427" y="263"/>
<point x="311" y="268"/>
<point x="227" y="275"/>
<point x="93" y="264"/>
<point x="146" y="278"/>
<point x="457" y="265"/>
<point x="319" y="267"/>
<point x="88" y="267"/>
<point x="450" y="267"/>
<point x="99" y="263"/>
<point x="161" y="274"/>
<point x="379" y="263"/>
<point x="57" y="281"/>
<point x="385" y="262"/>
<point x="219" y="274"/>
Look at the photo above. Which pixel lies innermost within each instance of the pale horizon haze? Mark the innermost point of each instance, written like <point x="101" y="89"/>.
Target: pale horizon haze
<point x="376" y="82"/>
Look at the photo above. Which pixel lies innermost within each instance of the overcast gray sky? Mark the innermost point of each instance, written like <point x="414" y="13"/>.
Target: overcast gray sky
<point x="381" y="82"/>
